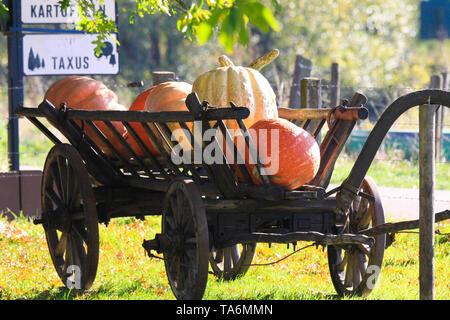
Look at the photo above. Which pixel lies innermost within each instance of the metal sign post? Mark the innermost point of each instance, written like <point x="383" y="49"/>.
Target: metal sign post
<point x="15" y="81"/>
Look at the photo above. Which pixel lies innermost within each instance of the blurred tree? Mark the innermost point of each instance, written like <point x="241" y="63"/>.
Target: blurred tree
<point x="372" y="40"/>
<point x="196" y="19"/>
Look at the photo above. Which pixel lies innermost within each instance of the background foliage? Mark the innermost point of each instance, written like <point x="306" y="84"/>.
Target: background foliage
<point x="375" y="42"/>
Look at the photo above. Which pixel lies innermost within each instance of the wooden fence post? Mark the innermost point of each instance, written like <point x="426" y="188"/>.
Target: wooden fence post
<point x="426" y="196"/>
<point x="311" y="97"/>
<point x="162" y="76"/>
<point x="302" y="70"/>
<point x="440" y="119"/>
<point x="334" y="85"/>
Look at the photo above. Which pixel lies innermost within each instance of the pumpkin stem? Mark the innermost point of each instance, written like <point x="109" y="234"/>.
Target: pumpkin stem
<point x="263" y="61"/>
<point x="224" y="61"/>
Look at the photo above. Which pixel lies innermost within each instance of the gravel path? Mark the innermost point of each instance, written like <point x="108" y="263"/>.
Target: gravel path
<point x="403" y="204"/>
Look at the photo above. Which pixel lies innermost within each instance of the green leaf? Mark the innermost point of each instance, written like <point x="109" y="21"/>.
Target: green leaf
<point x="204" y="32"/>
<point x="4" y="11"/>
<point x="244" y="34"/>
<point x="227" y="35"/>
<point x="260" y="16"/>
<point x="64" y="4"/>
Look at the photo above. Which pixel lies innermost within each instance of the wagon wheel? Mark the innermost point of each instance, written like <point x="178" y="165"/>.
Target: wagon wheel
<point x="185" y="227"/>
<point x="354" y="269"/>
<point x="70" y="217"/>
<point x="231" y="262"/>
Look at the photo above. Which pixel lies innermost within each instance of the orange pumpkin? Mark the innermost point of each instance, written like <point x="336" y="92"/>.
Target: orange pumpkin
<point x="290" y="154"/>
<point x="167" y="96"/>
<point x="85" y="93"/>
<point x="139" y="105"/>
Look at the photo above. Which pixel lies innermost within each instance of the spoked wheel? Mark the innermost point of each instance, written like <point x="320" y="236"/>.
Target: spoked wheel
<point x="69" y="217"/>
<point x="232" y="262"/>
<point x="354" y="269"/>
<point x="185" y="228"/>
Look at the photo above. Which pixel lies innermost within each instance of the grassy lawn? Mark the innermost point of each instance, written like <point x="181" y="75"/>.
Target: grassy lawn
<point x="393" y="173"/>
<point x="125" y="272"/>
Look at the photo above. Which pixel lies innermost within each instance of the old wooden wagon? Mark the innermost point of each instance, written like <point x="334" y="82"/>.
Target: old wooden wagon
<point x="208" y="218"/>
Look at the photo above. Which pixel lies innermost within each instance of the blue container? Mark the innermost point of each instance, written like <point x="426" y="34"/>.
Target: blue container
<point x="434" y="19"/>
<point x="406" y="141"/>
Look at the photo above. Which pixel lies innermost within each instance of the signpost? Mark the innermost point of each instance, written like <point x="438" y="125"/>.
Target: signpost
<point x="33" y="52"/>
<point x="50" y="11"/>
<point x="65" y="54"/>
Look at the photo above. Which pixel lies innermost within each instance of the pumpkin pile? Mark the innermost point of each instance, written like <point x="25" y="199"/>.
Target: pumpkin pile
<point x="84" y="93"/>
<point x="167" y="96"/>
<point x="293" y="159"/>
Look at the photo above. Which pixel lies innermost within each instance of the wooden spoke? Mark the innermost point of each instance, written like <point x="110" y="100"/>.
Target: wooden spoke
<point x="51" y="194"/>
<point x="179" y="277"/>
<point x="364" y="249"/>
<point x="62" y="244"/>
<point x="74" y="195"/>
<point x="65" y="265"/>
<point x="217" y="256"/>
<point x="170" y="222"/>
<point x="81" y="232"/>
<point x="54" y="172"/>
<point x="362" y="265"/>
<point x="235" y="254"/>
<point x="356" y="275"/>
<point x="62" y="169"/>
<point x="365" y="217"/>
<point x="227" y="263"/>
<point x="179" y="207"/>
<point x="348" y="273"/>
<point x="340" y="266"/>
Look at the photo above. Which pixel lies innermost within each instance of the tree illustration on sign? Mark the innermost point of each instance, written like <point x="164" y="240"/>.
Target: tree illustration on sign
<point x="107" y="51"/>
<point x="34" y="61"/>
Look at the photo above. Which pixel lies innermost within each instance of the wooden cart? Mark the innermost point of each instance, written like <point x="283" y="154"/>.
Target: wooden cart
<point x="208" y="218"/>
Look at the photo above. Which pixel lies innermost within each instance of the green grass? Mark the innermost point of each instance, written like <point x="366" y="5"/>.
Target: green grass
<point x="393" y="173"/>
<point x="125" y="272"/>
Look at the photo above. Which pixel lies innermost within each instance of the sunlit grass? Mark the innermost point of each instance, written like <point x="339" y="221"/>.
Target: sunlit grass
<point x="393" y="173"/>
<point x="125" y="272"/>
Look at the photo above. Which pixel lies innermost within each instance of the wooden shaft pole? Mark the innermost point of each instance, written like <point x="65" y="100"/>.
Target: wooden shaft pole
<point x="334" y="85"/>
<point x="310" y="97"/>
<point x="162" y="76"/>
<point x="426" y="197"/>
<point x="302" y="69"/>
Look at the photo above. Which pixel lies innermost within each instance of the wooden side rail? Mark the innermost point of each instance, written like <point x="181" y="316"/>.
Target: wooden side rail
<point x="341" y="113"/>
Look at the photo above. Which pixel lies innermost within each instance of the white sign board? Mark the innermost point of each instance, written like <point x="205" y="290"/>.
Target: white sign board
<point x="68" y="54"/>
<point x="49" y="11"/>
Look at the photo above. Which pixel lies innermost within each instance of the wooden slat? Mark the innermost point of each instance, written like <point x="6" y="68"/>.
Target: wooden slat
<point x="148" y="153"/>
<point x="358" y="113"/>
<point x="105" y="140"/>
